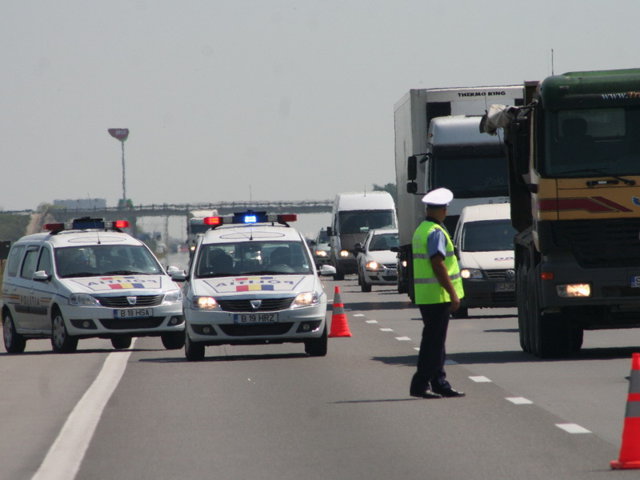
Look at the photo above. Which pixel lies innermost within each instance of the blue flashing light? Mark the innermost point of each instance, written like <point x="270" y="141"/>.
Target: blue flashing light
<point x="250" y="219"/>
<point x="87" y="223"/>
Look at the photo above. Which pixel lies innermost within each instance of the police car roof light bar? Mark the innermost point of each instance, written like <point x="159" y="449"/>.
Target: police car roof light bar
<point x="53" y="227"/>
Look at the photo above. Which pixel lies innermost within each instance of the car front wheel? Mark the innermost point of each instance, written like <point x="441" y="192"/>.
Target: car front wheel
<point x="173" y="340"/>
<point x="317" y="347"/>
<point x="61" y="341"/>
<point x="194" y="351"/>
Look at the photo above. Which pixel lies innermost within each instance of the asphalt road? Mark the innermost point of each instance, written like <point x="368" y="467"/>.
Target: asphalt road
<point x="271" y="412"/>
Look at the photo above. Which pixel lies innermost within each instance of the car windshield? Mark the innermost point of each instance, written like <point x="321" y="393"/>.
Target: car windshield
<point x="323" y="237"/>
<point x="95" y="260"/>
<point x="487" y="236"/>
<point x="385" y="241"/>
<point x="252" y="258"/>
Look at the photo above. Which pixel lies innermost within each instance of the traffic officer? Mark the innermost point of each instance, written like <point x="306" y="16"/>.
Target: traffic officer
<point x="438" y="290"/>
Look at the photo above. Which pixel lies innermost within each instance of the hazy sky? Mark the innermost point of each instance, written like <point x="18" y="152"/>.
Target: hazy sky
<point x="268" y="99"/>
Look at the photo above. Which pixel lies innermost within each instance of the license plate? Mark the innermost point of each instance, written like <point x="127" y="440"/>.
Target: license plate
<point x="635" y="281"/>
<point x="505" y="287"/>
<point x="132" y="313"/>
<point x="255" y="317"/>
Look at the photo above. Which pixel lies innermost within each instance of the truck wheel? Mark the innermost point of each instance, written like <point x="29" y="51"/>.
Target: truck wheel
<point x="523" y="312"/>
<point x="13" y="341"/>
<point x="61" y="341"/>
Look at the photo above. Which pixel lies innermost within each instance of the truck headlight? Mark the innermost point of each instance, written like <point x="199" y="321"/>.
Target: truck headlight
<point x="572" y="290"/>
<point x="306" y="299"/>
<point x="471" y="273"/>
<point x="83" y="300"/>
<point x="344" y="253"/>
<point x="204" y="303"/>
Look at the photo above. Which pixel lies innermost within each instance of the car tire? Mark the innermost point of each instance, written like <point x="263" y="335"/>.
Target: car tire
<point x="173" y="340"/>
<point x="61" y="341"/>
<point x="317" y="347"/>
<point x="121" y="342"/>
<point x="13" y="341"/>
<point x="364" y="286"/>
<point x="193" y="351"/>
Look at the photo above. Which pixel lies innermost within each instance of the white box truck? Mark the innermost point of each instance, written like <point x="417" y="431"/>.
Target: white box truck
<point x="432" y="152"/>
<point x="353" y="215"/>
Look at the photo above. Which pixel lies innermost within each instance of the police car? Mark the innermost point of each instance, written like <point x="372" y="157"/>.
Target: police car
<point x="252" y="280"/>
<point x="88" y="279"/>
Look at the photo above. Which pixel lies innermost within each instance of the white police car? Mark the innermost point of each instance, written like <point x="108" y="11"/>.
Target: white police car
<point x="252" y="280"/>
<point x="85" y="280"/>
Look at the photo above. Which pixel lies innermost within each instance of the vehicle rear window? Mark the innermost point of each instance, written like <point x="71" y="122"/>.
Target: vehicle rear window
<point x="15" y="256"/>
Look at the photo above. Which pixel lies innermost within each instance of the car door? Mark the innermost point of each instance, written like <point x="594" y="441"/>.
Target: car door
<point x="25" y="291"/>
<point x="43" y="291"/>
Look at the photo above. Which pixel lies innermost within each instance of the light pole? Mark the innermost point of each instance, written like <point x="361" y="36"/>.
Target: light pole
<point x="121" y="134"/>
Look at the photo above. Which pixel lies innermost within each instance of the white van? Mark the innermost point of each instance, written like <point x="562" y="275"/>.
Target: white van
<point x="484" y="243"/>
<point x="353" y="215"/>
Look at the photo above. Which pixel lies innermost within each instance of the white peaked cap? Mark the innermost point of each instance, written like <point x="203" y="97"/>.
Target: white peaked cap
<point x="438" y="197"/>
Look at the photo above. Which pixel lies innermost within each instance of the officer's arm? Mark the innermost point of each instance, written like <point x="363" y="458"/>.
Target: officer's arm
<point x="440" y="270"/>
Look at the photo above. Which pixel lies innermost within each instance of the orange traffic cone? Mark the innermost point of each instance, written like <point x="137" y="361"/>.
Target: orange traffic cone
<point x="630" y="449"/>
<point x="339" y="325"/>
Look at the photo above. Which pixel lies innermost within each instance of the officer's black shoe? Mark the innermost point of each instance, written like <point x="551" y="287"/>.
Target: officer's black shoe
<point x="425" y="394"/>
<point x="448" y="392"/>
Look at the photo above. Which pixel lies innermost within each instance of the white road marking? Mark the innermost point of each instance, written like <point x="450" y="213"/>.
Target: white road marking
<point x="519" y="400"/>
<point x="481" y="379"/>
<point x="572" y="428"/>
<point x="403" y="339"/>
<point x="358" y="315"/>
<point x="63" y="459"/>
<point x="371" y="321"/>
<point x="386" y="329"/>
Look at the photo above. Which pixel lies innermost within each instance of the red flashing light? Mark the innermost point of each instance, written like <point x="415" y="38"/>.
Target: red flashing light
<point x="121" y="224"/>
<point x="212" y="221"/>
<point x="288" y="217"/>
<point x="53" y="227"/>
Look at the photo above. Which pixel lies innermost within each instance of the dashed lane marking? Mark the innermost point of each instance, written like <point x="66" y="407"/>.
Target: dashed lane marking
<point x="403" y="339"/>
<point x="481" y="379"/>
<point x="519" y="400"/>
<point x="386" y="329"/>
<point x="572" y="428"/>
<point x="371" y="321"/>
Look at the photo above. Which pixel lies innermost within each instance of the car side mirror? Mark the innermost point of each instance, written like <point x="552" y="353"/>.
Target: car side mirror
<point x="330" y="231"/>
<point x="176" y="274"/>
<point x="41" y="276"/>
<point x="326" y="270"/>
<point x="358" y="247"/>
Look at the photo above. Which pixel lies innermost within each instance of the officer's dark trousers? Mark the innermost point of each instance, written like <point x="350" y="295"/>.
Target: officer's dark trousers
<point x="432" y="348"/>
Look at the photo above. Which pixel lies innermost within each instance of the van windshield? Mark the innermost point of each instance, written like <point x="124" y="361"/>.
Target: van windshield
<point x="93" y="260"/>
<point x="487" y="236"/>
<point x="359" y="221"/>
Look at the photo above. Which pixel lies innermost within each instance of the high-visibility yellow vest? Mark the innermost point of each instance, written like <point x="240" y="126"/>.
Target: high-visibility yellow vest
<point x="427" y="288"/>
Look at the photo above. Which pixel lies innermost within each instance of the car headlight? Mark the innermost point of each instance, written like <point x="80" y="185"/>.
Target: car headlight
<point x="372" y="265"/>
<point x="173" y="297"/>
<point x="306" y="299"/>
<point x="204" y="303"/>
<point x="83" y="300"/>
<point x="471" y="273"/>
<point x="321" y="253"/>
<point x="344" y="253"/>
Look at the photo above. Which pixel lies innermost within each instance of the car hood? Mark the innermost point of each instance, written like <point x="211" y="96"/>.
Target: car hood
<point x="265" y="285"/>
<point x="118" y="283"/>
<point x="496" y="260"/>
<point x="382" y="256"/>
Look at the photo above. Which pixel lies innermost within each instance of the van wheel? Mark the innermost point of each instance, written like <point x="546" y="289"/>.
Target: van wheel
<point x="13" y="341"/>
<point x="121" y="342"/>
<point x="173" y="340"/>
<point x="61" y="341"/>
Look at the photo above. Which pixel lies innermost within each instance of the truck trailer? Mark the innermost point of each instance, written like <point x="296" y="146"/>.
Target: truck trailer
<point x="574" y="173"/>
<point x="438" y="144"/>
